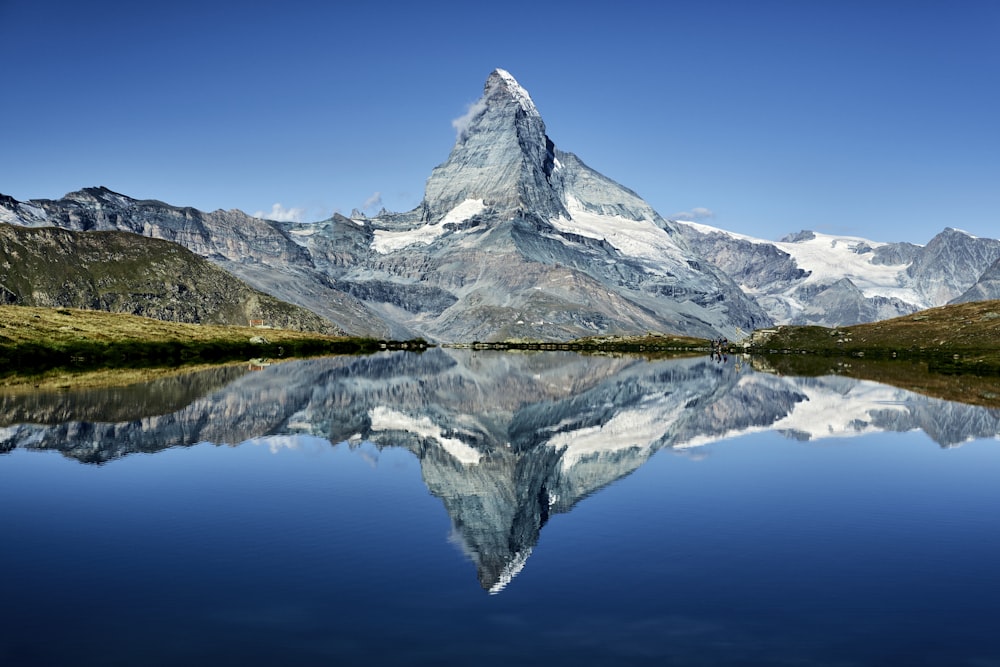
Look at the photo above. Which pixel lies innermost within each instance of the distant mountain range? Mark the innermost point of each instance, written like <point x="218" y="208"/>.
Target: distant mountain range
<point x="813" y="278"/>
<point x="517" y="239"/>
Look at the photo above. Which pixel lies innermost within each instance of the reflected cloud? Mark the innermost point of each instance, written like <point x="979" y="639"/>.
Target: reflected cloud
<point x="277" y="443"/>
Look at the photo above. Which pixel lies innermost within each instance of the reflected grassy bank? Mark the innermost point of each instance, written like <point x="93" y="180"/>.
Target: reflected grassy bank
<point x="935" y="377"/>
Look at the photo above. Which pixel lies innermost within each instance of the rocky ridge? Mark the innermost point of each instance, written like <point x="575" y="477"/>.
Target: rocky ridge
<point x="257" y="251"/>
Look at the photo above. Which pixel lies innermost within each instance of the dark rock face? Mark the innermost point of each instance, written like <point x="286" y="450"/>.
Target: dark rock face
<point x="125" y="273"/>
<point x="896" y="254"/>
<point x="842" y="301"/>
<point x="502" y="156"/>
<point x="752" y="265"/>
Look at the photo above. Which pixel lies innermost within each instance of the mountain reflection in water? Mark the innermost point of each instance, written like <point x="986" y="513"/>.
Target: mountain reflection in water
<point x="504" y="440"/>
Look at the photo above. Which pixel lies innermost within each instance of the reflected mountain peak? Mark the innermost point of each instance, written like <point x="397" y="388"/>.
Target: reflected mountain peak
<point x="504" y="440"/>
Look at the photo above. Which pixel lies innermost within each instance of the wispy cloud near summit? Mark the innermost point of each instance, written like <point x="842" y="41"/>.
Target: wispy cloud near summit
<point x="461" y="124"/>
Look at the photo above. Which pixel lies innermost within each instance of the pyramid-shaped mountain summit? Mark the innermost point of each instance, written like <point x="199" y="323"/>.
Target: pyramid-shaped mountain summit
<point x="502" y="157"/>
<point x="518" y="239"/>
<point x="514" y="239"/>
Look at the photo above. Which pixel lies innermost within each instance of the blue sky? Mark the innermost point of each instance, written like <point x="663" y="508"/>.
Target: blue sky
<point x="872" y="118"/>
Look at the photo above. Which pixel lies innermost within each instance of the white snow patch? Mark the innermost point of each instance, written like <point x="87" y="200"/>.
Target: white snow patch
<point x="387" y="419"/>
<point x="637" y="428"/>
<point x="828" y="414"/>
<point x="292" y="442"/>
<point x="464" y="211"/>
<point x="511" y="570"/>
<point x="641" y="239"/>
<point x="517" y="92"/>
<point x="22" y="214"/>
<point x="389" y="241"/>
<point x="35" y="211"/>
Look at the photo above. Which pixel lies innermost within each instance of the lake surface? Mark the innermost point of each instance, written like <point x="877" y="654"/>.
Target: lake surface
<point x="458" y="507"/>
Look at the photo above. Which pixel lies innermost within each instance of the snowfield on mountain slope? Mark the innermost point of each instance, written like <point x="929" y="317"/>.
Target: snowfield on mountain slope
<point x="829" y="258"/>
<point x="640" y="239"/>
<point x="388" y="241"/>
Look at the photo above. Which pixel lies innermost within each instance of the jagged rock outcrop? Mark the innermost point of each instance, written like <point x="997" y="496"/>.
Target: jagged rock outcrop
<point x="951" y="263"/>
<point x="121" y="272"/>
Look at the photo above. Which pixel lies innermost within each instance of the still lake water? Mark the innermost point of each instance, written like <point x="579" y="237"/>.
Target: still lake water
<point x="459" y="507"/>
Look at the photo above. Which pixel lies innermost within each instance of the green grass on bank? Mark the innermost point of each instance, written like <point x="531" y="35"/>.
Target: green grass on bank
<point x="33" y="340"/>
<point x="960" y="338"/>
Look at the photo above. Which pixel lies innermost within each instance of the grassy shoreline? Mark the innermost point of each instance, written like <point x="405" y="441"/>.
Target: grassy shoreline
<point x="34" y="340"/>
<point x="959" y="338"/>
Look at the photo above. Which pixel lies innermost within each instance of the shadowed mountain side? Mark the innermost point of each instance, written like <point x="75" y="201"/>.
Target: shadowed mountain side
<point x="986" y="288"/>
<point x="121" y="272"/>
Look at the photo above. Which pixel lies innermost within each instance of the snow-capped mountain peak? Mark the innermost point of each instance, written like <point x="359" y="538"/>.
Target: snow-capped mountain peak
<point x="501" y="82"/>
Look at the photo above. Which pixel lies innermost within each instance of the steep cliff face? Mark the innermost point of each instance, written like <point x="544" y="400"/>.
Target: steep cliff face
<point x="121" y="272"/>
<point x="502" y="157"/>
